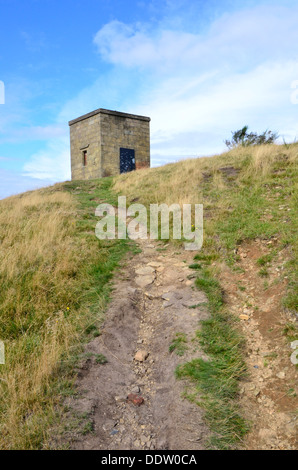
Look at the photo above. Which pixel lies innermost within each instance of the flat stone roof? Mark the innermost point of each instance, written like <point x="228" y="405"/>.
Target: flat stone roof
<point x="107" y="111"/>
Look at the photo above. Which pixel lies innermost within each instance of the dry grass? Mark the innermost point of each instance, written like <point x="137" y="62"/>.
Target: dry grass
<point x="38" y="261"/>
<point x="235" y="188"/>
<point x="182" y="182"/>
<point x="46" y="276"/>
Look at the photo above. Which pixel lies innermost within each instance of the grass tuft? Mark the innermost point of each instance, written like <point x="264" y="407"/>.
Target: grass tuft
<point x="179" y="344"/>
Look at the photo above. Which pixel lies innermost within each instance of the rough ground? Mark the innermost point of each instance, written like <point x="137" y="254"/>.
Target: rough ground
<point x="153" y="300"/>
<point x="268" y="396"/>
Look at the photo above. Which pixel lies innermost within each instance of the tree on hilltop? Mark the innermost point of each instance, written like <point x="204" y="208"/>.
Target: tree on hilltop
<point x="245" y="139"/>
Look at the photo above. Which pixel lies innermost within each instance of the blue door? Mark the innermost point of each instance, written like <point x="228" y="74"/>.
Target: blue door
<point x="127" y="160"/>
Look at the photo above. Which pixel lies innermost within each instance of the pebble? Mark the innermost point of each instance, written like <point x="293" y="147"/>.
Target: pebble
<point x="244" y="317"/>
<point x="281" y="375"/>
<point x="141" y="355"/>
<point x="144" y="281"/>
<point x="135" y="399"/>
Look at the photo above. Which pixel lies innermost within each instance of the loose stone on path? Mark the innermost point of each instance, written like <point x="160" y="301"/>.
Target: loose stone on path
<point x="141" y="355"/>
<point x="144" y="281"/>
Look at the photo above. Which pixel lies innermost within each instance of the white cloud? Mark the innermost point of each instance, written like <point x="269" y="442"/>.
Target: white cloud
<point x="135" y="47"/>
<point x="237" y="39"/>
<point x="51" y="163"/>
<point x="197" y="123"/>
<point x="205" y="85"/>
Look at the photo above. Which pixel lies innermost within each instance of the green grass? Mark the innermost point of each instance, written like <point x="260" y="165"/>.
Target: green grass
<point x="207" y="259"/>
<point x="100" y="359"/>
<point x="217" y="379"/>
<point x="195" y="266"/>
<point x="290" y="332"/>
<point x="263" y="260"/>
<point x="263" y="272"/>
<point x="179" y="344"/>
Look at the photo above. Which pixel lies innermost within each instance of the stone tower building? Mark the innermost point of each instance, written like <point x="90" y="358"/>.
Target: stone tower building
<point x="106" y="143"/>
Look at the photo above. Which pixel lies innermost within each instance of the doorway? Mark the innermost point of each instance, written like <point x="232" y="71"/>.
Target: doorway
<point x="127" y="160"/>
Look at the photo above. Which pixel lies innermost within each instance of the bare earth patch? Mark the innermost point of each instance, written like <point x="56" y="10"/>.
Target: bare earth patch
<point x="269" y="395"/>
<point x="134" y="401"/>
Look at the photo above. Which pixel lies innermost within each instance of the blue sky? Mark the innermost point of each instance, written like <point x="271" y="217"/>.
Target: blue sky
<point x="199" y="69"/>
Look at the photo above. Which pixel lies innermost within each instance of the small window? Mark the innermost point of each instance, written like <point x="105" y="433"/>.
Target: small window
<point x="84" y="153"/>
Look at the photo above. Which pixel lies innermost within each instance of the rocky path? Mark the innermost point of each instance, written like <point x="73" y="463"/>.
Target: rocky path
<point x="134" y="401"/>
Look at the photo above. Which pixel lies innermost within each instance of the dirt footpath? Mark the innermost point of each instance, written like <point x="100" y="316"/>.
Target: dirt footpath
<point x="268" y="395"/>
<point x="134" y="401"/>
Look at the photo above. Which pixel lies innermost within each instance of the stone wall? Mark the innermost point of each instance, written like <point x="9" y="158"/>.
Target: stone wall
<point x="85" y="135"/>
<point x="117" y="132"/>
<point x="102" y="133"/>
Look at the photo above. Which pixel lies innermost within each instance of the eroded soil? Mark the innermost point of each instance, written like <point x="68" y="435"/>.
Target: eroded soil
<point x="269" y="394"/>
<point x="153" y="300"/>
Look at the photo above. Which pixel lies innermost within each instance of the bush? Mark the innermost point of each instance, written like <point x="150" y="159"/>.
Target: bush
<point x="242" y="137"/>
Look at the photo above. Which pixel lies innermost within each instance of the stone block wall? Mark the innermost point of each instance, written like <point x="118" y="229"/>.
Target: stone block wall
<point x="102" y="133"/>
<point x="85" y="136"/>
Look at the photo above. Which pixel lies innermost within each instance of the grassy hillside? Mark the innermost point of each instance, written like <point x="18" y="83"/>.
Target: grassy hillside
<point x="248" y="194"/>
<point x="54" y="274"/>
